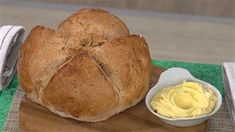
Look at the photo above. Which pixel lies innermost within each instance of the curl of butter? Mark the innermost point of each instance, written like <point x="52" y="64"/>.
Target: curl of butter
<point x="188" y="99"/>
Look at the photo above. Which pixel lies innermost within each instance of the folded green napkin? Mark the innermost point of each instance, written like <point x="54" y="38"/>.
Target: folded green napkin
<point x="206" y="72"/>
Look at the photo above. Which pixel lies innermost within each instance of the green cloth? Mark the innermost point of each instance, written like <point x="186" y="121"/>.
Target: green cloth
<point x="207" y="72"/>
<point x="210" y="73"/>
<point x="6" y="97"/>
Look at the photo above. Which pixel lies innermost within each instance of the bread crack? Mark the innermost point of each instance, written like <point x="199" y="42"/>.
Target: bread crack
<point x="108" y="73"/>
<point x="103" y="66"/>
<point x="90" y="43"/>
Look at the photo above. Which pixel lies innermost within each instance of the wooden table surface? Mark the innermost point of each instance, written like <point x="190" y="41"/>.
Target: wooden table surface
<point x="33" y="117"/>
<point x="170" y="36"/>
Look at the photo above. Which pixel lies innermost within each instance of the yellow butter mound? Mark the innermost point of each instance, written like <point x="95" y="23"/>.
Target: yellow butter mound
<point x="189" y="99"/>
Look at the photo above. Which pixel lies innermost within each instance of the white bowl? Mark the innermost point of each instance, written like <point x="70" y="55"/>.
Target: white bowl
<point x="174" y="76"/>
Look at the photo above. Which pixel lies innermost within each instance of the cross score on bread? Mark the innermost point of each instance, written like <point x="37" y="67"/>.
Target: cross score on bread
<point x="89" y="69"/>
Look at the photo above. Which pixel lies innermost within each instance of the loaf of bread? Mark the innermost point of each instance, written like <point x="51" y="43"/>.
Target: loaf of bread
<point x="89" y="69"/>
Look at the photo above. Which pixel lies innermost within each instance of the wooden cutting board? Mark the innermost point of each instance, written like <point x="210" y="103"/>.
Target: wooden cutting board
<point x="35" y="118"/>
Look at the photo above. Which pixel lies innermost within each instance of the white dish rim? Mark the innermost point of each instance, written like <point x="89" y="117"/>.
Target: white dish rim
<point x="192" y="78"/>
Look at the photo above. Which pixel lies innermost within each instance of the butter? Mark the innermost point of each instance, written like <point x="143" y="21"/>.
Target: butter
<point x="188" y="99"/>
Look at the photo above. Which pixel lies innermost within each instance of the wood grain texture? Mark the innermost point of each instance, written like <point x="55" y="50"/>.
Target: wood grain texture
<point x="170" y="36"/>
<point x="224" y="8"/>
<point x="33" y="117"/>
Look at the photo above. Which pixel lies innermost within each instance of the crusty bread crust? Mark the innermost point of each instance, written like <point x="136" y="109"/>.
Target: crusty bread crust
<point x="89" y="69"/>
